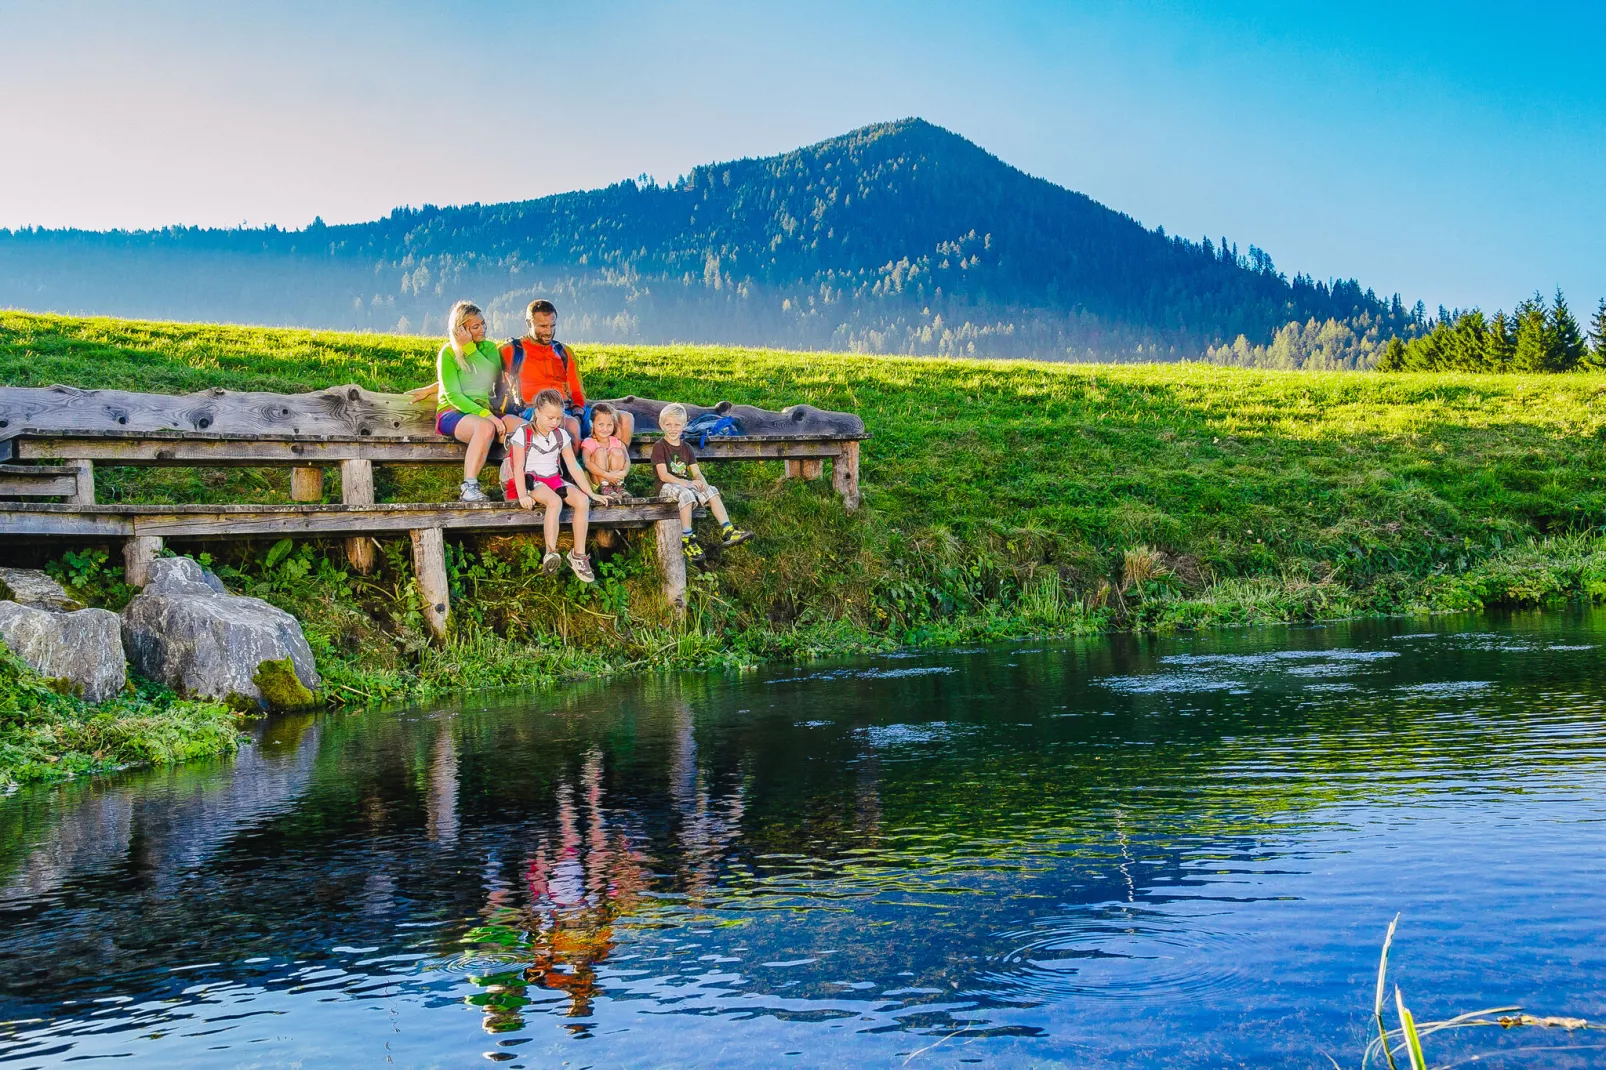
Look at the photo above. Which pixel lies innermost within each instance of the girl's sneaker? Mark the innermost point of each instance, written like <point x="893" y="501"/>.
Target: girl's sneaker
<point x="734" y="536"/>
<point x="551" y="563"/>
<point x="581" y="564"/>
<point x="692" y="548"/>
<point x="615" y="492"/>
<point x="469" y="491"/>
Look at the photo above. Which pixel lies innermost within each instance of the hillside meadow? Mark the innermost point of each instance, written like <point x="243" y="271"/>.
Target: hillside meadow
<point x="1002" y="499"/>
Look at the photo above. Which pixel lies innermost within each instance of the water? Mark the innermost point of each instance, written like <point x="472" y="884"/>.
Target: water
<point x="1180" y="853"/>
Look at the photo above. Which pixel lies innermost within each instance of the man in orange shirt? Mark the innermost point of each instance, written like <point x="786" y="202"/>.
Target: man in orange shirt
<point x="547" y="364"/>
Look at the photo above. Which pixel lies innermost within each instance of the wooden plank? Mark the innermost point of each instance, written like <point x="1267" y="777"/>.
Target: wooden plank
<point x="37" y="481"/>
<point x="357" y="488"/>
<point x="65" y="525"/>
<point x="751" y="449"/>
<point x="138" y="553"/>
<point x="306" y="484"/>
<point x="215" y="452"/>
<point x="672" y="563"/>
<point x="429" y="566"/>
<point x="84" y="483"/>
<point x="342" y="410"/>
<point x="845" y="476"/>
<point x="254" y="521"/>
<point x="219" y="452"/>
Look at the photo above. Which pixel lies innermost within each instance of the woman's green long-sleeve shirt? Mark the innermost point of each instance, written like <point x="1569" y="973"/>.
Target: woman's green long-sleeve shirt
<point x="467" y="391"/>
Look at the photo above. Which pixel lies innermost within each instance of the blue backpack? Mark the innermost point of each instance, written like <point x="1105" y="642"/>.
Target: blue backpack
<point x="711" y="423"/>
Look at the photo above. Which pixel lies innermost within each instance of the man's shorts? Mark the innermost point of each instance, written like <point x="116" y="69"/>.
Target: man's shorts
<point x="580" y="413"/>
<point x="685" y="495"/>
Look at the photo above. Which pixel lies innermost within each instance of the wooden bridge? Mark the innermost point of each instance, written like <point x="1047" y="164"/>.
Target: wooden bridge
<point x="52" y="438"/>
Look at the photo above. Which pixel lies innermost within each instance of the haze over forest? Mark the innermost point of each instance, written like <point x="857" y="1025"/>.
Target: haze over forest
<point x="895" y="238"/>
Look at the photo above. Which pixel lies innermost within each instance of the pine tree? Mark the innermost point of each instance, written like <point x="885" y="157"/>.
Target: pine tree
<point x="1532" y="352"/>
<point x="1501" y="350"/>
<point x="1393" y="356"/>
<point x="1597" y="336"/>
<point x="1567" y="347"/>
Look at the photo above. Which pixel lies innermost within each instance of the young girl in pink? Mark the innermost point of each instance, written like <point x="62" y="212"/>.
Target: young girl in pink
<point x="607" y="459"/>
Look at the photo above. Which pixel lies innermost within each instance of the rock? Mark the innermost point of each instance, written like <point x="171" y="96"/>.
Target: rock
<point x="31" y="587"/>
<point x="205" y="644"/>
<point x="83" y="648"/>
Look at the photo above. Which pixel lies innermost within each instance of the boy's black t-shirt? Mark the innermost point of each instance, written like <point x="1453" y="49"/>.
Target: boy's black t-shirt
<point x="678" y="459"/>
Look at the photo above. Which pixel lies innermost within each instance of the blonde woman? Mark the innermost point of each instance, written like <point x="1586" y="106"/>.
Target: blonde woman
<point x="466" y="370"/>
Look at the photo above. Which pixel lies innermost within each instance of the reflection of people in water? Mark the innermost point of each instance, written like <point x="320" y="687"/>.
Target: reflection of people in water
<point x="585" y="876"/>
<point x="578" y="885"/>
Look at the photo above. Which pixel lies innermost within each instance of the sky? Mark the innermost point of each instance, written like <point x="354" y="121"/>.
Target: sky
<point x="1454" y="153"/>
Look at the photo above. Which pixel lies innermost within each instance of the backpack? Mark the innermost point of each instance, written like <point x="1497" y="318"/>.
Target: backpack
<point x="711" y="423"/>
<point x="506" y="396"/>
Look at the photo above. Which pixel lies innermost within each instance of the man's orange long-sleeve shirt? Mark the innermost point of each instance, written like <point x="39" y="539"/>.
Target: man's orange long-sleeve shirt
<point x="543" y="370"/>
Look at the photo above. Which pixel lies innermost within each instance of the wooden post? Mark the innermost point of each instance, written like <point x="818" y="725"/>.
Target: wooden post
<point x="357" y="488"/>
<point x="84" y="473"/>
<point x="429" y="565"/>
<point x="672" y="563"/>
<point x="845" y="475"/>
<point x="794" y="469"/>
<point x="138" y="553"/>
<point x="306" y="484"/>
<point x="811" y="468"/>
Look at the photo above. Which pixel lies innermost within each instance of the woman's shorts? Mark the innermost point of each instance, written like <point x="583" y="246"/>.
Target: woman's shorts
<point x="446" y="421"/>
<point x="510" y="491"/>
<point x="685" y="495"/>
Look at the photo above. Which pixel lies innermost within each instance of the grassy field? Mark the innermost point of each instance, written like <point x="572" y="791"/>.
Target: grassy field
<point x="1002" y="498"/>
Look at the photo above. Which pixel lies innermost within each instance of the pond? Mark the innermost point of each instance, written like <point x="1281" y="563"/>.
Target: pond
<point x="1178" y="852"/>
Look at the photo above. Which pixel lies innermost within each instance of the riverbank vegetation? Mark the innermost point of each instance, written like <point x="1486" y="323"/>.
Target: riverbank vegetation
<point x="1002" y="499"/>
<point x="48" y="735"/>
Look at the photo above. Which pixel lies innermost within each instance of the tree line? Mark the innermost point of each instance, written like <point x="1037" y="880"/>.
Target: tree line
<point x="1538" y="336"/>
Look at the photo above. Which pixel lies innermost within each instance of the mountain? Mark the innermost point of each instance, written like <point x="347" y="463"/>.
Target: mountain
<point x="898" y="237"/>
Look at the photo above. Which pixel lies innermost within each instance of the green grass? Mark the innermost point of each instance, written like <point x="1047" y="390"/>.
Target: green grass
<point x="1002" y="498"/>
<point x="45" y="735"/>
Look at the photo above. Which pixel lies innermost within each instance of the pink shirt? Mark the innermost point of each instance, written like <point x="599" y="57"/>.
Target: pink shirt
<point x="591" y="445"/>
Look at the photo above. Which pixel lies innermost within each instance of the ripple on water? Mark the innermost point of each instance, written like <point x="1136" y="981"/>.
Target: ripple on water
<point x="1114" y="953"/>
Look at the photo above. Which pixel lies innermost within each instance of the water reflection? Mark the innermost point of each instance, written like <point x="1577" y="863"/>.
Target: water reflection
<point x="1144" y="852"/>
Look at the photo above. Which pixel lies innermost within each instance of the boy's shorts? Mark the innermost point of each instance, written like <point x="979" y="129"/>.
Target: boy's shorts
<point x="684" y="495"/>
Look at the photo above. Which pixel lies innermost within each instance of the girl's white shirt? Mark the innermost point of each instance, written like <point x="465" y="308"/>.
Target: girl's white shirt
<point x="543" y="454"/>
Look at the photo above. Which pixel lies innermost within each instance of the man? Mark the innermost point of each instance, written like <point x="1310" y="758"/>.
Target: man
<point x="548" y="364"/>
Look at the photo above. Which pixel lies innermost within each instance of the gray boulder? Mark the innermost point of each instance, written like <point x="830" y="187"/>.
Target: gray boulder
<point x="182" y="631"/>
<point x="83" y="648"/>
<point x="31" y="587"/>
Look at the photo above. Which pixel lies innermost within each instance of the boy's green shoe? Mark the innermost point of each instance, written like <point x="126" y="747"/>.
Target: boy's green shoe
<point x="731" y="535"/>
<point x="692" y="548"/>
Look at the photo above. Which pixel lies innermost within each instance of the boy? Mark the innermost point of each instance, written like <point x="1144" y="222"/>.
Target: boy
<point x="680" y="478"/>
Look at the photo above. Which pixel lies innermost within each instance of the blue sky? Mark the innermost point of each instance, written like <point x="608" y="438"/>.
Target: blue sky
<point x="1455" y="153"/>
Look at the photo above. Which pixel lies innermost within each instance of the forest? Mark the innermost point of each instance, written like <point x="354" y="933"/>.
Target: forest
<point x="896" y="238"/>
<point x="1536" y="337"/>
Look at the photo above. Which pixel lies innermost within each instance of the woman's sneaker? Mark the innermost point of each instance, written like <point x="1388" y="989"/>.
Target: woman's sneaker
<point x="693" y="549"/>
<point x="469" y="491"/>
<point x="581" y="564"/>
<point x="552" y="563"/>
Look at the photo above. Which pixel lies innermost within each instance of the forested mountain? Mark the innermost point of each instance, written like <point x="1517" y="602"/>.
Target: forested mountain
<point x="900" y="237"/>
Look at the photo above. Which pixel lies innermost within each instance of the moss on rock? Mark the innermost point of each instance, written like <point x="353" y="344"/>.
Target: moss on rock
<point x="281" y="688"/>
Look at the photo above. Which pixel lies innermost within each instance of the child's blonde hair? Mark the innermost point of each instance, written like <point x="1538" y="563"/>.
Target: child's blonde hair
<point x="674" y="408"/>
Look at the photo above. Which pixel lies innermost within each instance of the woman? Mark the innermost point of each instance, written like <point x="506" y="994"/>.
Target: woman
<point x="466" y="370"/>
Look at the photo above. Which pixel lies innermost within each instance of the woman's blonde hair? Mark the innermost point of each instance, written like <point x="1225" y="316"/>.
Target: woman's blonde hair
<point x="454" y="319"/>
